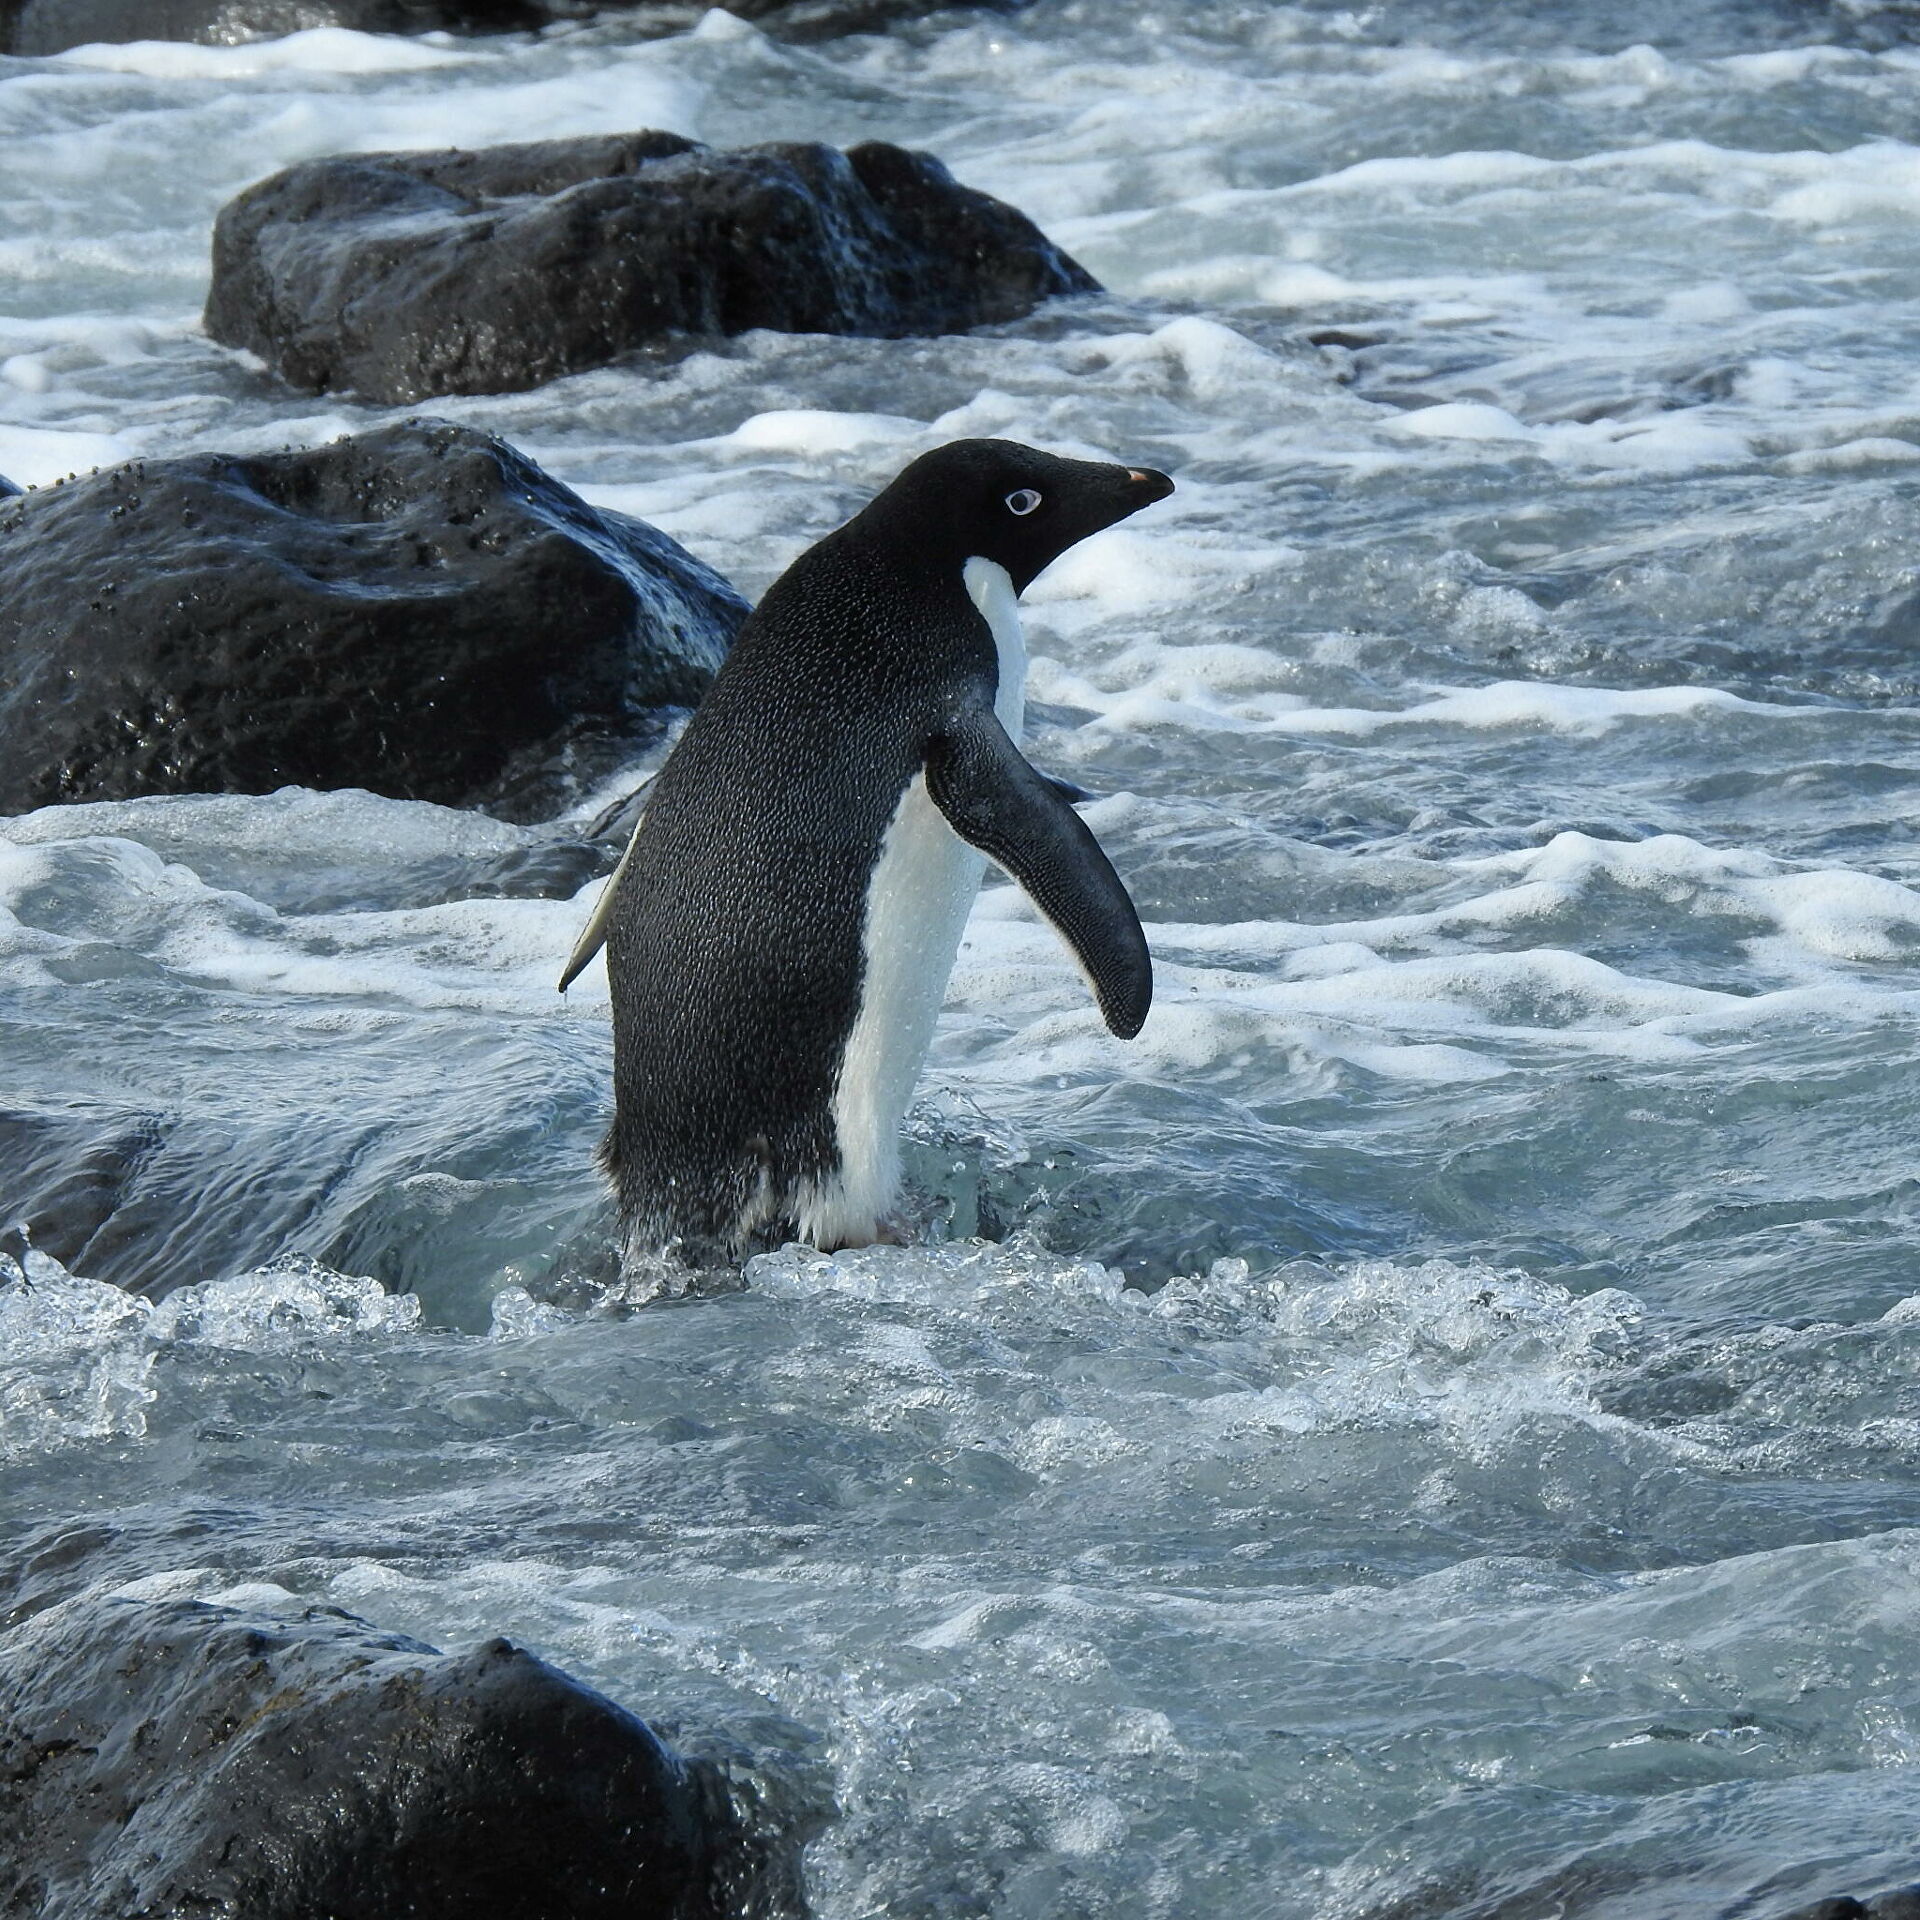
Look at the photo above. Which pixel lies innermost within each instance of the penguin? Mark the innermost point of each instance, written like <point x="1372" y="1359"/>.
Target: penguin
<point x="780" y="931"/>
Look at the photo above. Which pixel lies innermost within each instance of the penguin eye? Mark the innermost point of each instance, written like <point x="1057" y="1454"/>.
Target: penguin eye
<point x="1022" y="501"/>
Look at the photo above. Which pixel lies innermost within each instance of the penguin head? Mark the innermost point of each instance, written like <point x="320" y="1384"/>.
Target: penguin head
<point x="1016" y="506"/>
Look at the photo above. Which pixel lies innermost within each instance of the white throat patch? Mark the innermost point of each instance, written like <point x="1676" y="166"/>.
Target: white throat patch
<point x="919" y="895"/>
<point x="990" y="588"/>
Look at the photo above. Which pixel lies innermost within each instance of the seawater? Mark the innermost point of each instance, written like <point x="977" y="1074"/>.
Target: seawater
<point x="1433" y="1427"/>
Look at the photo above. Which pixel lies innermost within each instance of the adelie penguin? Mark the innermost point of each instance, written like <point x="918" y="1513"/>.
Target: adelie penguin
<point x="780" y="933"/>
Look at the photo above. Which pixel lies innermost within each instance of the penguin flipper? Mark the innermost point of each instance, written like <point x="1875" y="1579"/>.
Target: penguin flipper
<point x="1073" y="795"/>
<point x="1017" y="817"/>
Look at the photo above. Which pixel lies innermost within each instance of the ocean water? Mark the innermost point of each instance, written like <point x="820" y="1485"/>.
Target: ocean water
<point x="1430" y="1429"/>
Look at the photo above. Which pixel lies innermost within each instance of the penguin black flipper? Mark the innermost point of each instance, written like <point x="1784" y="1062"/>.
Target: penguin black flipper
<point x="1017" y="817"/>
<point x="1074" y="796"/>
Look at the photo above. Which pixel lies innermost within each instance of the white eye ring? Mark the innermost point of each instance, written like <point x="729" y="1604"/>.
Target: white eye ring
<point x="1022" y="501"/>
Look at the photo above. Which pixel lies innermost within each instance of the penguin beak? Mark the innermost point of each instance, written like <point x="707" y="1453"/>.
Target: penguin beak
<point x="1148" y="485"/>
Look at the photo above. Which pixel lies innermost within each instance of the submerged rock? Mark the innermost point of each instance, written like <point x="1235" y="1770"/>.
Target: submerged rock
<point x="170" y="1758"/>
<point x="1897" y="1903"/>
<point x="403" y="275"/>
<point x="32" y="27"/>
<point x="420" y="611"/>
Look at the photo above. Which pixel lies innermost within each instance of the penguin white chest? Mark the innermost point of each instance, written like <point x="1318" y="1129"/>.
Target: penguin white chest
<point x="919" y="895"/>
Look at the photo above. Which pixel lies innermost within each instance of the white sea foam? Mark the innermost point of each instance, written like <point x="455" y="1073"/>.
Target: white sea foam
<point x="488" y="954"/>
<point x="810" y="431"/>
<point x="1140" y="575"/>
<point x="616" y="95"/>
<point x="1153" y="686"/>
<point x="319" y="50"/>
<point x="1852" y="455"/>
<point x="295" y="824"/>
<point x="1414" y="996"/>
<point x="38" y="456"/>
<point x="1833" y="914"/>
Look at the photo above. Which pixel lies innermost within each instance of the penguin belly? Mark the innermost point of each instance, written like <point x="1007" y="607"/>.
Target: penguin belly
<point x="922" y="889"/>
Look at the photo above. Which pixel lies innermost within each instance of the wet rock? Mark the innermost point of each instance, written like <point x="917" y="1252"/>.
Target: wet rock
<point x="33" y="27"/>
<point x="1898" y="1903"/>
<point x="7" y="488"/>
<point x="403" y="275"/>
<point x="169" y="1758"/>
<point x="30" y="28"/>
<point x="420" y="611"/>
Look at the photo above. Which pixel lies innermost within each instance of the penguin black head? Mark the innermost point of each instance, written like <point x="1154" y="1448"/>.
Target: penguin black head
<point x="1016" y="506"/>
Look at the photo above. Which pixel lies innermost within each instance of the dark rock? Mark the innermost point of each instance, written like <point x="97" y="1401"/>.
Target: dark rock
<point x="1897" y="1903"/>
<point x="7" y="488"/>
<point x="169" y="1759"/>
<point x="419" y="611"/>
<point x="403" y="275"/>
<point x="34" y="27"/>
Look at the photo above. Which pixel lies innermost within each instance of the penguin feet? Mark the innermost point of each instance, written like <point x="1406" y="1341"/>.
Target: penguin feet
<point x="905" y="1226"/>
